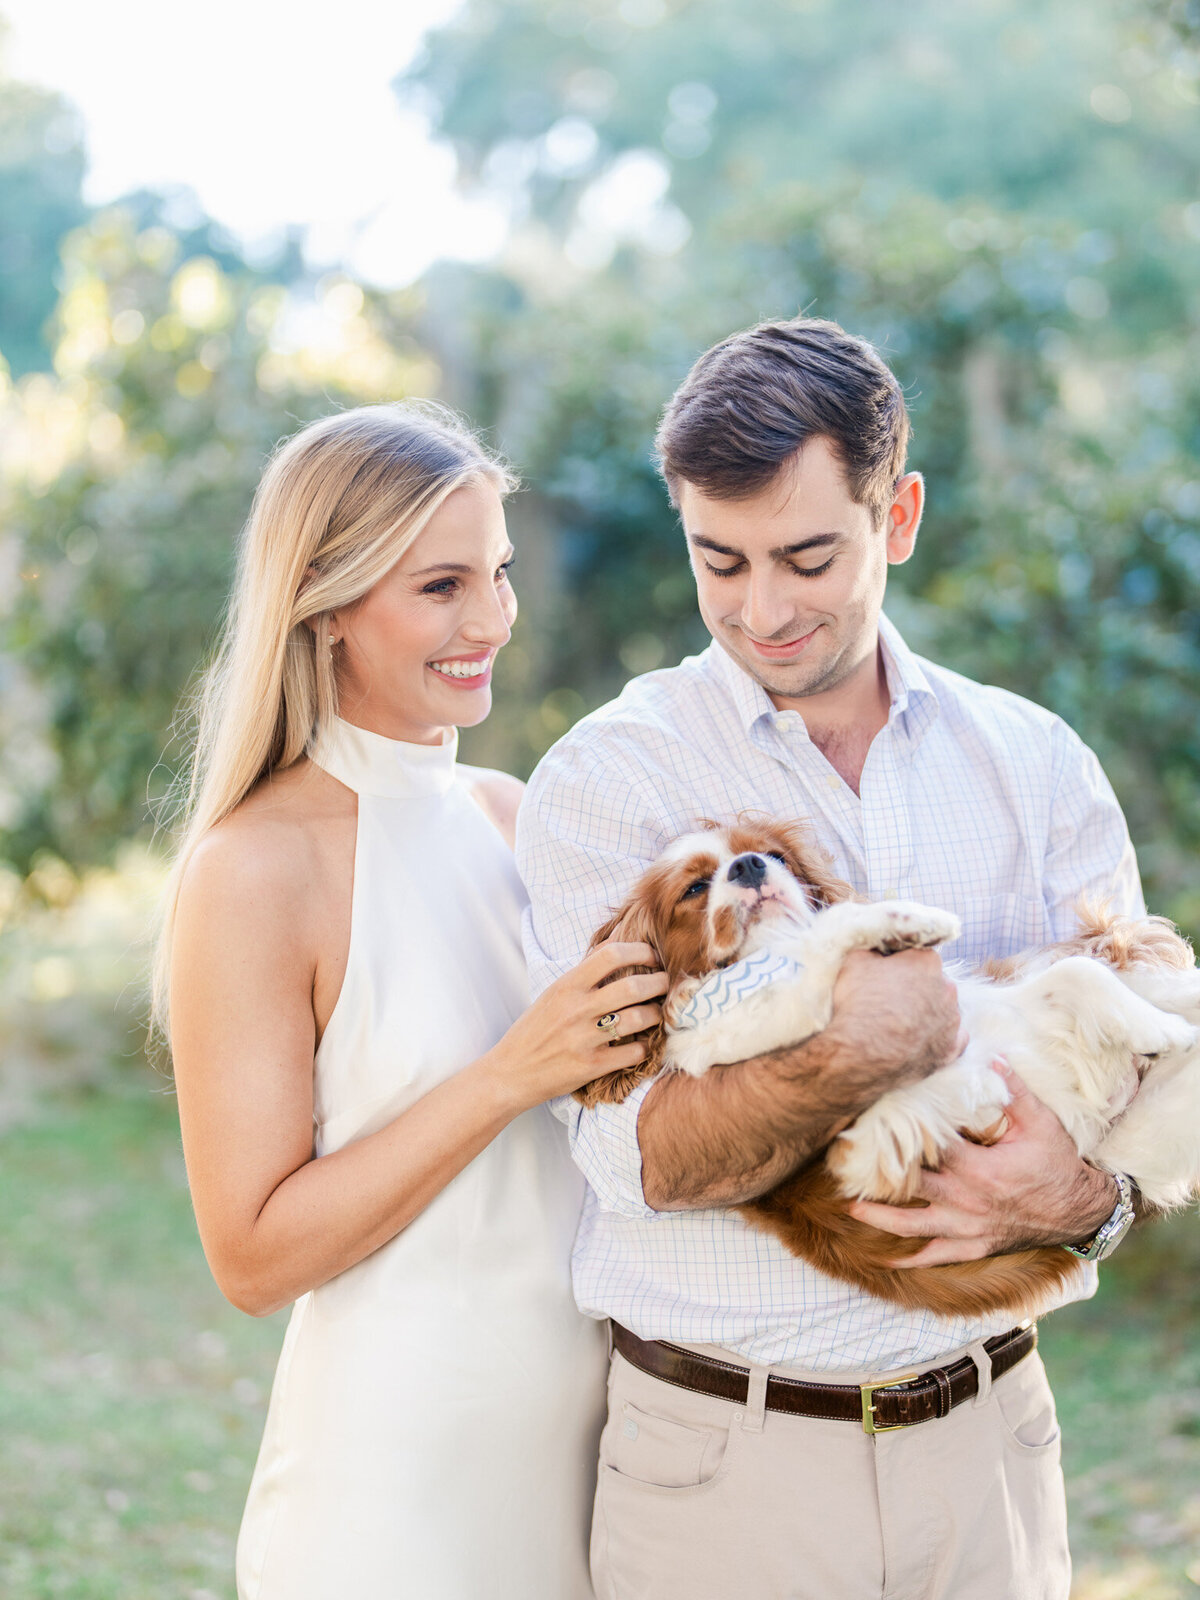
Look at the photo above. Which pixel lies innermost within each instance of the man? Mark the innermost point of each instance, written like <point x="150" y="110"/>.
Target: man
<point x="784" y="452"/>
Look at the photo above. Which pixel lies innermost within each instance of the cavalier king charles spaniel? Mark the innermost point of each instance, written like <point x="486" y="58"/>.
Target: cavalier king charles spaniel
<point x="752" y="929"/>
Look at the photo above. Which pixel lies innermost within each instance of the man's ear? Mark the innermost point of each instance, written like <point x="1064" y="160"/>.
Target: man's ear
<point x="903" y="518"/>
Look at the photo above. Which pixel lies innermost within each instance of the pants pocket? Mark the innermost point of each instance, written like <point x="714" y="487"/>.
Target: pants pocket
<point x="658" y="1451"/>
<point x="1025" y="1406"/>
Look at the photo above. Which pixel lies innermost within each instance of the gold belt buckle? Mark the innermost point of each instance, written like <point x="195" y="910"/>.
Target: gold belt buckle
<point x="867" y="1390"/>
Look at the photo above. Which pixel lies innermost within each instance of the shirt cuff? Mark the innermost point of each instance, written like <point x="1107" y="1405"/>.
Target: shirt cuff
<point x="604" y="1144"/>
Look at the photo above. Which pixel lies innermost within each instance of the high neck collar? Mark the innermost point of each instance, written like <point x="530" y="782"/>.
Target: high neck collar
<point x="370" y="764"/>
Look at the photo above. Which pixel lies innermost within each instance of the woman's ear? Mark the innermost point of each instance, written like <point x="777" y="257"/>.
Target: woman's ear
<point x="325" y="626"/>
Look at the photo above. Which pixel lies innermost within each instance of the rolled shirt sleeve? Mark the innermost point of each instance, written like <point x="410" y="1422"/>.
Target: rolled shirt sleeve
<point x="1088" y="851"/>
<point x="578" y="862"/>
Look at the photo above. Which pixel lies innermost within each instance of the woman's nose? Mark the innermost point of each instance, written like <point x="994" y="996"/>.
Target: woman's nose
<point x="491" y="619"/>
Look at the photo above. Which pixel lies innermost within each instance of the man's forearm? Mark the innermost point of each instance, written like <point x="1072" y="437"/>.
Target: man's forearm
<point x="739" y="1130"/>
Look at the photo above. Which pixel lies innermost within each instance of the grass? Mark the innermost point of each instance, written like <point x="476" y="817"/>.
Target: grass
<point x="132" y="1396"/>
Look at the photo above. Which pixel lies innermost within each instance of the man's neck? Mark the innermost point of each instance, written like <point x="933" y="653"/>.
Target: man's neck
<point x="843" y="721"/>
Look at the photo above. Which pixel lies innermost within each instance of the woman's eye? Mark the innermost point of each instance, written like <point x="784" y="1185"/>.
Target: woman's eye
<point x="700" y="885"/>
<point x="442" y="586"/>
<point x="502" y="570"/>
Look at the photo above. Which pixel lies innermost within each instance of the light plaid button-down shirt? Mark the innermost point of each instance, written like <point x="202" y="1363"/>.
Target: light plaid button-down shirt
<point x="972" y="799"/>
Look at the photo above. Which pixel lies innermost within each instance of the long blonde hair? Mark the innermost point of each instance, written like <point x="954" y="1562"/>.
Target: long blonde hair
<point x="337" y="507"/>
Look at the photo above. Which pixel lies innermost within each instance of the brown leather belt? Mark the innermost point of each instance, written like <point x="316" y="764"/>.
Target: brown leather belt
<point x="878" y="1407"/>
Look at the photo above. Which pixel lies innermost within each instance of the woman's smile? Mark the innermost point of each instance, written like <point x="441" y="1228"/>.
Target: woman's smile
<point x="466" y="671"/>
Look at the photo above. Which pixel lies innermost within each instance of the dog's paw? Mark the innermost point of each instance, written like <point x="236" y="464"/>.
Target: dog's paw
<point x="678" y="1000"/>
<point x="1169" y="1036"/>
<point x="881" y="1157"/>
<point x="908" y="926"/>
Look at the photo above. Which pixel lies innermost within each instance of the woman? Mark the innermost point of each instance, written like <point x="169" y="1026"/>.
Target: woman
<point x="359" y="1091"/>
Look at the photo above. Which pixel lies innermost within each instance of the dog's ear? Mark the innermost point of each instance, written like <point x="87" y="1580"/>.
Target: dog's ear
<point x="634" y="923"/>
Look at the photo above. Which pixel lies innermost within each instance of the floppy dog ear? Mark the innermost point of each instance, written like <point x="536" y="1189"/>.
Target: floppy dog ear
<point x="632" y="924"/>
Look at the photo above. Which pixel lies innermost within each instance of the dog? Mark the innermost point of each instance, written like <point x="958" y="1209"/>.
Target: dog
<point x="752" y="928"/>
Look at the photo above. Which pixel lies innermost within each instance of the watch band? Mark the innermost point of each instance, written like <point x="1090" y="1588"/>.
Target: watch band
<point x="1110" y="1233"/>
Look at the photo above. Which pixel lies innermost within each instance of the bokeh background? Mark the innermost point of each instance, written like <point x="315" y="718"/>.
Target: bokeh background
<point x="1004" y="196"/>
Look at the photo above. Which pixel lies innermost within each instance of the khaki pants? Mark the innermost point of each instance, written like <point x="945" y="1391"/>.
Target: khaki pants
<point x="701" y="1499"/>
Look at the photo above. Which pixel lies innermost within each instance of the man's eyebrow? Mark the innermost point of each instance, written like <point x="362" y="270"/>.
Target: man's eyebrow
<point x="817" y="542"/>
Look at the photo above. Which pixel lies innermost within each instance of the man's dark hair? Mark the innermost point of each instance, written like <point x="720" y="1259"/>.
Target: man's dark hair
<point x="751" y="402"/>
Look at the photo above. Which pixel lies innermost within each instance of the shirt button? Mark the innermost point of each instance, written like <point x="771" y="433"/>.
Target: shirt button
<point x="833" y="781"/>
<point x="891" y="893"/>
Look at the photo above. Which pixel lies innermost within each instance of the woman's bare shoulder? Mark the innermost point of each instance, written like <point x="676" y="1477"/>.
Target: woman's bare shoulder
<point x="269" y="849"/>
<point x="498" y="794"/>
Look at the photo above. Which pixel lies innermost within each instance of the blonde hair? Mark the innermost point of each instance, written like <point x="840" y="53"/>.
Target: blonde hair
<point x="339" y="504"/>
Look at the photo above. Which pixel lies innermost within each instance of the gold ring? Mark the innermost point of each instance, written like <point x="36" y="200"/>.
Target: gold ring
<point x="609" y="1023"/>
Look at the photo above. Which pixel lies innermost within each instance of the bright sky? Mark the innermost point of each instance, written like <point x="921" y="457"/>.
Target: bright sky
<point x="272" y="111"/>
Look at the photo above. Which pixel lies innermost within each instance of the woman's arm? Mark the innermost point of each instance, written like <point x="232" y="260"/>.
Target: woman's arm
<point x="274" y="1220"/>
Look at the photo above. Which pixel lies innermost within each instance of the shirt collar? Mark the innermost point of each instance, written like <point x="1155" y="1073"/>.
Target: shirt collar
<point x="912" y="695"/>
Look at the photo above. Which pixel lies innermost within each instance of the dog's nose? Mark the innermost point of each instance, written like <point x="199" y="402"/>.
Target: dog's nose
<point x="748" y="871"/>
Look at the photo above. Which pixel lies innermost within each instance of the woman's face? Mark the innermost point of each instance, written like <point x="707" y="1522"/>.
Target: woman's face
<point x="416" y="651"/>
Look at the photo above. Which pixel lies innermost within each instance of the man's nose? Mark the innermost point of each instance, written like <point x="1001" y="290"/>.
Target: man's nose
<point x="747" y="871"/>
<point x="765" y="611"/>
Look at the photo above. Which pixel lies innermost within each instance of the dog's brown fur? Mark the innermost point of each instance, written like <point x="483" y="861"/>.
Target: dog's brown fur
<point x="807" y="1212"/>
<point x="652" y="915"/>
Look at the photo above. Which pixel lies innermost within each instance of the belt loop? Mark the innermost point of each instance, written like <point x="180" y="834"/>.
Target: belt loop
<point x="756" y="1400"/>
<point x="983" y="1366"/>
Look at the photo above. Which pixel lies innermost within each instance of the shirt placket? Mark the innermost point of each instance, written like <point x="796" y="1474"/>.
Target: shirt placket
<point x="886" y="831"/>
<point x="831" y="805"/>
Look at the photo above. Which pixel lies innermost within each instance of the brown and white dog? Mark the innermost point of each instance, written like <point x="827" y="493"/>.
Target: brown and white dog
<point x="752" y="930"/>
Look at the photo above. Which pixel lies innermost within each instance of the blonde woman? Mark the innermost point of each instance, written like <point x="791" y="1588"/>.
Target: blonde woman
<point x="360" y="1085"/>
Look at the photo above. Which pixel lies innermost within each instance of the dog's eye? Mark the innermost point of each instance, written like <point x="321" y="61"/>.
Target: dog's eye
<point x="777" y="855"/>
<point x="700" y="885"/>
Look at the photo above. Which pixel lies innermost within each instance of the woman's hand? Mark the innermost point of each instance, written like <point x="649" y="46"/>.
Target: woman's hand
<point x="557" y="1046"/>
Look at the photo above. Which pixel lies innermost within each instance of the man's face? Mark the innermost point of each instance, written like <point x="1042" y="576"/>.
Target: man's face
<point x="790" y="580"/>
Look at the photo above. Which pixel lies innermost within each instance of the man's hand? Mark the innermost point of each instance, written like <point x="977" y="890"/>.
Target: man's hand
<point x="1028" y="1189"/>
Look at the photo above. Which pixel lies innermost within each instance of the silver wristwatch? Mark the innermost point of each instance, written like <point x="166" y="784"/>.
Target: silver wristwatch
<point x="1110" y="1233"/>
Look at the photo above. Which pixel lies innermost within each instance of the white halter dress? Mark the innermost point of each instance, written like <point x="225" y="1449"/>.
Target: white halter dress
<point x="433" y="1424"/>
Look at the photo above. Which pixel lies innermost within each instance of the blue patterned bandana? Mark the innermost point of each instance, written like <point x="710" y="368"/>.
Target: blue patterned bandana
<point x="729" y="986"/>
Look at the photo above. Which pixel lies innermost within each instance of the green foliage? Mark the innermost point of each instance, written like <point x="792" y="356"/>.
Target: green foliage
<point x="41" y="171"/>
<point x="1000" y="197"/>
<point x="174" y="380"/>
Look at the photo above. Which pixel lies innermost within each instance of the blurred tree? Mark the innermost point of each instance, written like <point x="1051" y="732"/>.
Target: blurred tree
<point x="130" y="472"/>
<point x="1002" y="198"/>
<point x="42" y="163"/>
<point x="41" y="173"/>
